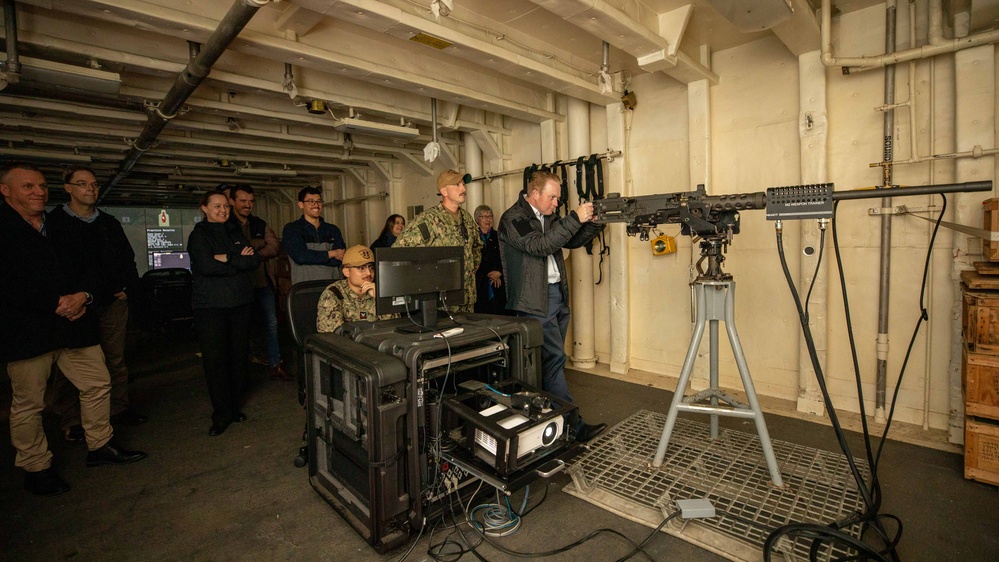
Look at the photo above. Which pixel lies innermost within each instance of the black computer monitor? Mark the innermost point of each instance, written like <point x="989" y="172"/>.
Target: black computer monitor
<point x="164" y="260"/>
<point x="409" y="280"/>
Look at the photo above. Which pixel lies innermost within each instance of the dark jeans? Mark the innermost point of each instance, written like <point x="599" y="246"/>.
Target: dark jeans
<point x="555" y="325"/>
<point x="267" y="307"/>
<point x="223" y="335"/>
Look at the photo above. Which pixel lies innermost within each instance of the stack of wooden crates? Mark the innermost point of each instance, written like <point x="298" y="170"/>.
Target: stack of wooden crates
<point x="980" y="368"/>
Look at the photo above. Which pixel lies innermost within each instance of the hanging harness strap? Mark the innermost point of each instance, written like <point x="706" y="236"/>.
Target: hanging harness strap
<point x="564" y="172"/>
<point x="594" y="178"/>
<point x="528" y="171"/>
<point x="580" y="186"/>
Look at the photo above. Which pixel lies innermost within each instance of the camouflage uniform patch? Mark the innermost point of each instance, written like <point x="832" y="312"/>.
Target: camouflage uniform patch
<point x="438" y="227"/>
<point x="338" y="305"/>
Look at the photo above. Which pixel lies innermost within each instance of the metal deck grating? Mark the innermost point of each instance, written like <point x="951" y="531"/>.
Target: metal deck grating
<point x="617" y="474"/>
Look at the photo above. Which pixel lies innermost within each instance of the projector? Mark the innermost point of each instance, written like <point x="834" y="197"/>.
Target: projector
<point x="531" y="435"/>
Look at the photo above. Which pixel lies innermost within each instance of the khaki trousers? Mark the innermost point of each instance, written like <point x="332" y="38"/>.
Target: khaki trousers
<point x="64" y="399"/>
<point x="85" y="368"/>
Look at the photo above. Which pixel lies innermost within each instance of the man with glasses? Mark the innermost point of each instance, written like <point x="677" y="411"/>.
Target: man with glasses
<point x="47" y="290"/>
<point x="351" y="299"/>
<point x="448" y="224"/>
<point x="314" y="246"/>
<point x="105" y="244"/>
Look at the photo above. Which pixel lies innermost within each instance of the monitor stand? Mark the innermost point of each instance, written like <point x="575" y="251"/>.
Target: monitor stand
<point x="427" y="319"/>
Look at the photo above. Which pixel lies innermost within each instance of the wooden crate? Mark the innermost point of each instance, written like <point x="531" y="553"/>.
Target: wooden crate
<point x="991" y="208"/>
<point x="980" y="383"/>
<point x="980" y="322"/>
<point x="981" y="450"/>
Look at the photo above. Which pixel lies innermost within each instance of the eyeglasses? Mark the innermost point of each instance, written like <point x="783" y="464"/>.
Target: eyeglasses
<point x="366" y="267"/>
<point x="83" y="184"/>
<point x="313" y="202"/>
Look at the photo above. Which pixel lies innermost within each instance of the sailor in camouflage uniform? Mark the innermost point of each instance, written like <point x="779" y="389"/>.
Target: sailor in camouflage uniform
<point x="353" y="298"/>
<point x="448" y="224"/>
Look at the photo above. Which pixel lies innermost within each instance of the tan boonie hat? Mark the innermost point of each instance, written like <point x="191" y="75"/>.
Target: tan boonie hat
<point x="452" y="177"/>
<point x="358" y="255"/>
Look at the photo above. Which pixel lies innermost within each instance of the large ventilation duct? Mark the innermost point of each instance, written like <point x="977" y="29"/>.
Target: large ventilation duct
<point x="187" y="82"/>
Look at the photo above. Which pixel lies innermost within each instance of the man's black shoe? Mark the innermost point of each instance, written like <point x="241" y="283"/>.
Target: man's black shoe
<point x="217" y="429"/>
<point x="74" y="434"/>
<point x="45" y="483"/>
<point x="587" y="431"/>
<point x="239" y="417"/>
<point x="128" y="417"/>
<point x="113" y="454"/>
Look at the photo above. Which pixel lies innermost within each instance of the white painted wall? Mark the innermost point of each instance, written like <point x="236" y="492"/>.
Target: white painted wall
<point x="754" y="145"/>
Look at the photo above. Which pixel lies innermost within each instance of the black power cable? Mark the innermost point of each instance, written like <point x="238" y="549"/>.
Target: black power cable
<point x="825" y="533"/>
<point x="871" y="518"/>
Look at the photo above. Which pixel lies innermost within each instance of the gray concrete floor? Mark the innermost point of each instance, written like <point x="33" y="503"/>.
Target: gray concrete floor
<point x="239" y="497"/>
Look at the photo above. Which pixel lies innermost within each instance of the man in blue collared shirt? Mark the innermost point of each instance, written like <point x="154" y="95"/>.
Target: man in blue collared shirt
<point x="109" y="247"/>
<point x="314" y="246"/>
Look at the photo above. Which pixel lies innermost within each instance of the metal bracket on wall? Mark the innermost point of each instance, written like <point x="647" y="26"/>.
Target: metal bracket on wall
<point x="901" y="210"/>
<point x="969" y="230"/>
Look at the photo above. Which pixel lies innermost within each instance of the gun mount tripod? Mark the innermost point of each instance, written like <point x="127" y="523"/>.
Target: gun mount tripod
<point x="715" y="218"/>
<point x="714" y="292"/>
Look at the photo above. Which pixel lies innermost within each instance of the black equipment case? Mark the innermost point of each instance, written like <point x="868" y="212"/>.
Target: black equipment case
<point x="390" y="425"/>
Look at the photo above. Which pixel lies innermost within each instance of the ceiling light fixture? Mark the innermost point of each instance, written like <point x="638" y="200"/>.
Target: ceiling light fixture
<point x="45" y="155"/>
<point x="38" y="74"/>
<point x="273" y="172"/>
<point x="358" y="126"/>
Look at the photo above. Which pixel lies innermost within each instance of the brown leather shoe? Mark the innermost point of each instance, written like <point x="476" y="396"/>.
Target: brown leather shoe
<point x="278" y="373"/>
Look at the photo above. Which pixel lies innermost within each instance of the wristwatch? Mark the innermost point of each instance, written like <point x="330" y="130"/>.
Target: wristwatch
<point x="89" y="300"/>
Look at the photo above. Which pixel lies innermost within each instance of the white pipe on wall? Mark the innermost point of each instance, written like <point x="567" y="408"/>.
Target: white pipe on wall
<point x="583" y="346"/>
<point x="813" y="135"/>
<point x="857" y="64"/>
<point x="473" y="165"/>
<point x="618" y="121"/>
<point x="974" y="124"/>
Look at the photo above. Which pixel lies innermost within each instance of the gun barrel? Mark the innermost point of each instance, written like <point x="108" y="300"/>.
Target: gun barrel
<point x="737" y="202"/>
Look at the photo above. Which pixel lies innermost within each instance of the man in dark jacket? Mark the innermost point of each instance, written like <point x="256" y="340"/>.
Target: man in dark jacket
<point x="265" y="246"/>
<point x="531" y="242"/>
<point x="314" y="246"/>
<point x="46" y="287"/>
<point x="108" y="248"/>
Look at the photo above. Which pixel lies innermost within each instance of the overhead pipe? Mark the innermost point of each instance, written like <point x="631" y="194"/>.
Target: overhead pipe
<point x="433" y="117"/>
<point x="12" y="68"/>
<point x="187" y="82"/>
<point x="859" y="64"/>
<point x="193" y="48"/>
<point x="289" y="79"/>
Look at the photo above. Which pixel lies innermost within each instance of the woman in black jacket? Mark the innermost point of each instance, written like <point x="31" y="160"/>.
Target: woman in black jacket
<point x="221" y="262"/>
<point x="490" y="293"/>
<point x="393" y="228"/>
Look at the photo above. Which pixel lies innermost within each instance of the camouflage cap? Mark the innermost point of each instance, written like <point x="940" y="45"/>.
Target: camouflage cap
<point x="452" y="177"/>
<point x="358" y="255"/>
